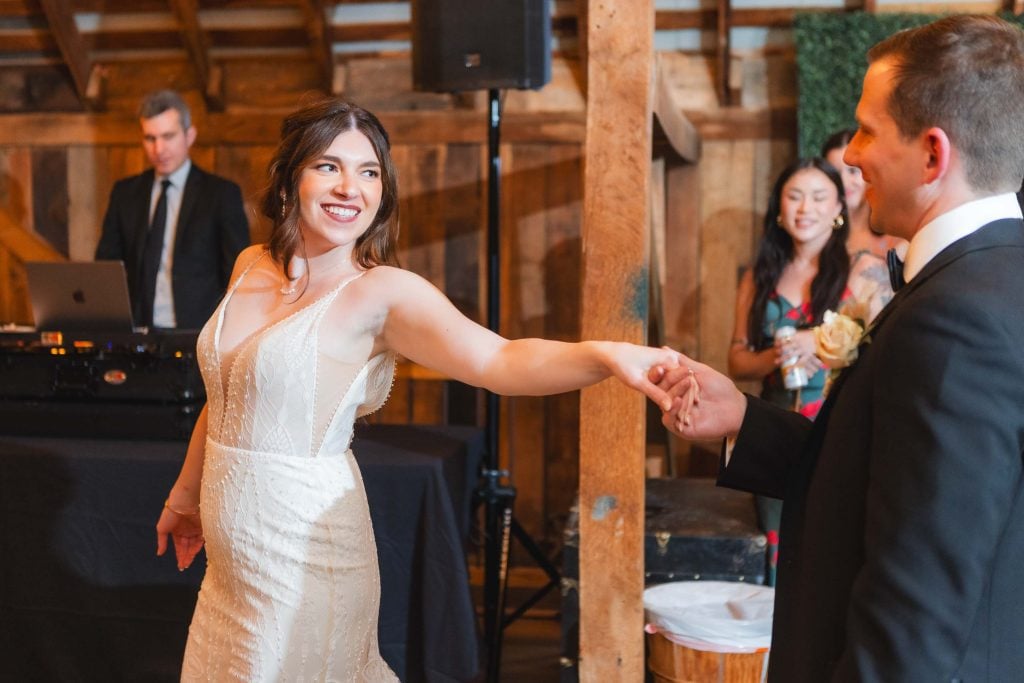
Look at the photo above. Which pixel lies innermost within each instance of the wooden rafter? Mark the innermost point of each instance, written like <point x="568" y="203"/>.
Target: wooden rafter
<point x="723" y="50"/>
<point x="84" y="73"/>
<point x="315" y="13"/>
<point x="210" y="75"/>
<point x="680" y="132"/>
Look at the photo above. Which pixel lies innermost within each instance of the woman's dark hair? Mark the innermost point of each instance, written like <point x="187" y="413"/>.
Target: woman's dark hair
<point x="776" y="250"/>
<point x="838" y="140"/>
<point x="305" y="135"/>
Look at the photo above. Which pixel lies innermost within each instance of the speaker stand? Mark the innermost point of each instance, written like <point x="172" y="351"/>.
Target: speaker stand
<point x="497" y="498"/>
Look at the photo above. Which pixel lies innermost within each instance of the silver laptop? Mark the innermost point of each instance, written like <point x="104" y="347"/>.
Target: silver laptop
<point x="75" y="296"/>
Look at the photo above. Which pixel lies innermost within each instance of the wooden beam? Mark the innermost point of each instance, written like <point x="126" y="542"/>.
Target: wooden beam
<point x="198" y="46"/>
<point x="24" y="245"/>
<point x="320" y="39"/>
<point x="681" y="134"/>
<point x="581" y="39"/>
<point x="419" y="127"/>
<point x="722" y="51"/>
<point x="620" y="53"/>
<point x="264" y="127"/>
<point x="72" y="48"/>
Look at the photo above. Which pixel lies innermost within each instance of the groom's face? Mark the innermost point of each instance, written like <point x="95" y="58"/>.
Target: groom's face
<point x="889" y="162"/>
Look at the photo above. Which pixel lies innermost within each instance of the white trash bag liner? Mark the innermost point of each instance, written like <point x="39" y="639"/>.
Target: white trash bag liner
<point x="715" y="616"/>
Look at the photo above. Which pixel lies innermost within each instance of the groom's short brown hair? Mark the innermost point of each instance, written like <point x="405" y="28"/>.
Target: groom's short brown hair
<point x="964" y="74"/>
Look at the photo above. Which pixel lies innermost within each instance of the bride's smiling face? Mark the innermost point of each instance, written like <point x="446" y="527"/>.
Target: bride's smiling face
<point x="339" y="193"/>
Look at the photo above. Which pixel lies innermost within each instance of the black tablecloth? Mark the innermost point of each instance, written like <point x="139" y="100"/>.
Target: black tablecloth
<point x="83" y="596"/>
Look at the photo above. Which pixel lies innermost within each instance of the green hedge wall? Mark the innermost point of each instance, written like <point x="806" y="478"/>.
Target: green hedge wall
<point x="831" y="58"/>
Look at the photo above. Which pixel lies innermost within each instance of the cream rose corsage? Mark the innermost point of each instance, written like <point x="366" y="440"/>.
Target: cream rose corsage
<point x="836" y="339"/>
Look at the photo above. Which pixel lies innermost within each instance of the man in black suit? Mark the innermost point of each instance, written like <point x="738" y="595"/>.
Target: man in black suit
<point x="902" y="538"/>
<point x="177" y="228"/>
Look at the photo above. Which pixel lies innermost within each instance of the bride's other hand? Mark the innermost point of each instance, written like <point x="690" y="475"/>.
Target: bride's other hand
<point x="186" y="532"/>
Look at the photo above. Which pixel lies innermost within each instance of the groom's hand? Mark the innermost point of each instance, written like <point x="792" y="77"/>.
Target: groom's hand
<point x="705" y="403"/>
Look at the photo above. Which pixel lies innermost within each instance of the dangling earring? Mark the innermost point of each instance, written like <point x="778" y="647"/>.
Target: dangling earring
<point x="284" y="204"/>
<point x="838" y="222"/>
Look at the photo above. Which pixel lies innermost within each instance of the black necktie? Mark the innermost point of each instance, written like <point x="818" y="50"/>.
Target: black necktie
<point x="895" y="269"/>
<point x="152" y="253"/>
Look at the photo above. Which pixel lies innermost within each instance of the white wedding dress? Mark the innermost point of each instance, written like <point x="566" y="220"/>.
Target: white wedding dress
<point x="292" y="589"/>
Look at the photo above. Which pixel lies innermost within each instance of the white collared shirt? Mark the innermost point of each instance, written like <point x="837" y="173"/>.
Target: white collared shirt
<point x="163" y="301"/>
<point x="943" y="230"/>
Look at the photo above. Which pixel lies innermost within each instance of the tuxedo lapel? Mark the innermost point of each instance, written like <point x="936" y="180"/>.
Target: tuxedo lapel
<point x="1006" y="232"/>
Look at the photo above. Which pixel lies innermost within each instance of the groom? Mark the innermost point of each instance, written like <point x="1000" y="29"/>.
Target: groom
<point x="902" y="554"/>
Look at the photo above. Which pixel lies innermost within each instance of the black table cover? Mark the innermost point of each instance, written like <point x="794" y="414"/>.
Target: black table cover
<point x="83" y="596"/>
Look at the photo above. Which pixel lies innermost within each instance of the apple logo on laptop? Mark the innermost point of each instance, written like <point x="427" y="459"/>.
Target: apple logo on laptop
<point x="79" y="296"/>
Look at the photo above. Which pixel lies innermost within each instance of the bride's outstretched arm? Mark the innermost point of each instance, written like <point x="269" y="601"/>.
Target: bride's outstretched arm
<point x="424" y="326"/>
<point x="180" y="516"/>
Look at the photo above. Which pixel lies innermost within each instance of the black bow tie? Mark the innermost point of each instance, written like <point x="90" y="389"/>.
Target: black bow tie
<point x="895" y="270"/>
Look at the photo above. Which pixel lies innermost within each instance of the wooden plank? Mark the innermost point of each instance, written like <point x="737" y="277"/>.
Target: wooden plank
<point x="23" y="245"/>
<point x="423" y="250"/>
<point x="681" y="134"/>
<point x="524" y="243"/>
<point x="50" y="197"/>
<point x="563" y="193"/>
<point x="16" y="185"/>
<point x="247" y="165"/>
<point x="88" y="188"/>
<point x="263" y="127"/>
<point x="615" y="206"/>
<point x="735" y="123"/>
<point x="723" y="58"/>
<point x="69" y="40"/>
<point x="725" y="238"/>
<point x="319" y="39"/>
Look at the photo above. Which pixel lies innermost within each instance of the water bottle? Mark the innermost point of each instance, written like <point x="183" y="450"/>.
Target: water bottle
<point x="794" y="376"/>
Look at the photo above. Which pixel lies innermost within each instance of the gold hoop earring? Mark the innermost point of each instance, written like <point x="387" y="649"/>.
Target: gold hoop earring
<point x="838" y="222"/>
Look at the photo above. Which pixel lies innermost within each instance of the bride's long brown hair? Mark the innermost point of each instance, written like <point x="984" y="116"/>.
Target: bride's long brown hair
<point x="305" y="135"/>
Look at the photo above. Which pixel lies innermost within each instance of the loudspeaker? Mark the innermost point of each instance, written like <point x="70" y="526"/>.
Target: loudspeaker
<point x="480" y="44"/>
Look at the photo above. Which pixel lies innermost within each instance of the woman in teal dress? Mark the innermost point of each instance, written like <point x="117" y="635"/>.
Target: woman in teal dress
<point x="801" y="271"/>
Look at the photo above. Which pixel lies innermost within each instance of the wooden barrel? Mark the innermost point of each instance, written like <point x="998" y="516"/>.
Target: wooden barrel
<point x="673" y="663"/>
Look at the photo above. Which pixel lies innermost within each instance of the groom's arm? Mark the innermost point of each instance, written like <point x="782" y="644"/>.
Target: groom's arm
<point x="770" y="440"/>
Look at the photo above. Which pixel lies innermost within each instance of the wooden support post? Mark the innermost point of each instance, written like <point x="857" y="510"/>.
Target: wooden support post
<point x="617" y="166"/>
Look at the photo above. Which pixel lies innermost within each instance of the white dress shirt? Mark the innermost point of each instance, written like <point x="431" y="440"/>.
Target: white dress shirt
<point x="943" y="230"/>
<point x="163" y="301"/>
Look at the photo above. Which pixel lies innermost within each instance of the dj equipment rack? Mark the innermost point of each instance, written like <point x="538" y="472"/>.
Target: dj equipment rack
<point x="133" y="386"/>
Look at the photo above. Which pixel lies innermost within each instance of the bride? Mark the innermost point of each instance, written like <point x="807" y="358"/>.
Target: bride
<point x="302" y="344"/>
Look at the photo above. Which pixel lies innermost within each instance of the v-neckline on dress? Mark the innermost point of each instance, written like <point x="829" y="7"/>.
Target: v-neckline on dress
<point x="244" y="344"/>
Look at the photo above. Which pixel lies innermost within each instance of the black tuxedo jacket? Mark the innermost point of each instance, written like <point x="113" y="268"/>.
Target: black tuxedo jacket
<point x="902" y="555"/>
<point x="212" y="230"/>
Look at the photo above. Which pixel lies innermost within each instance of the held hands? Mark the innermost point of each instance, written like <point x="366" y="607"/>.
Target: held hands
<point x="705" y="403"/>
<point x="186" y="530"/>
<point x="635" y="367"/>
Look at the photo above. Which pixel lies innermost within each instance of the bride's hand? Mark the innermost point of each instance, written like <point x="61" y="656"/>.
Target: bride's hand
<point x="185" y="530"/>
<point x="635" y="365"/>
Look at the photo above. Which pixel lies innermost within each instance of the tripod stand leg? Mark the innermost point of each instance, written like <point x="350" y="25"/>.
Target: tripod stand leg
<point x="499" y="528"/>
